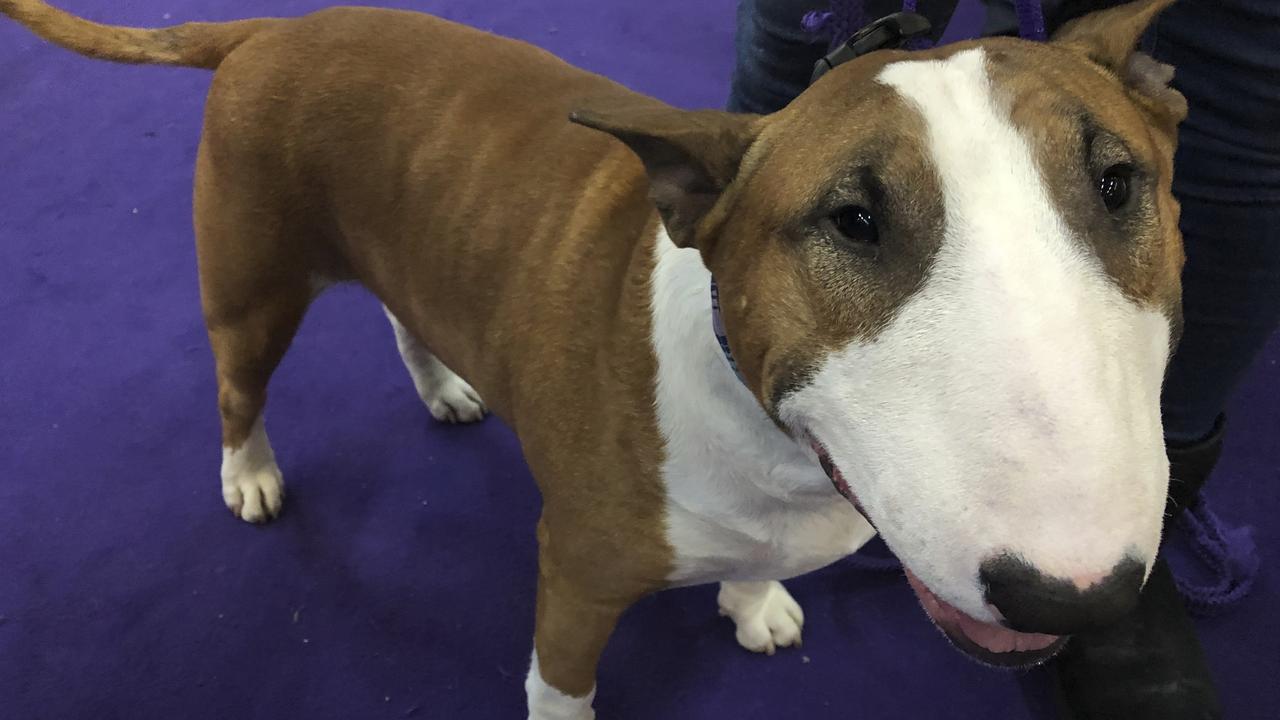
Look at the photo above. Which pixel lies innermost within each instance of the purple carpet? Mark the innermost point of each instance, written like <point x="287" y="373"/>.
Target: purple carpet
<point x="399" y="582"/>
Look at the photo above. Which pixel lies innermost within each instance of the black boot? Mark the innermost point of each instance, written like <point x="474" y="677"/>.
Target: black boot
<point x="1150" y="664"/>
<point x="1190" y="465"/>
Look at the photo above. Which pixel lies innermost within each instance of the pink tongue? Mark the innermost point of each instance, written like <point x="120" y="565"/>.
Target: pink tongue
<point x="989" y="636"/>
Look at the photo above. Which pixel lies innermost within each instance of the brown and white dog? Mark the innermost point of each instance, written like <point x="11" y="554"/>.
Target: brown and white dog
<point x="950" y="278"/>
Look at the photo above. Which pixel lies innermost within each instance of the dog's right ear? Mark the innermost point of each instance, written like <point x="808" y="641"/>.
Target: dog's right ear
<point x="1109" y="38"/>
<point x="690" y="156"/>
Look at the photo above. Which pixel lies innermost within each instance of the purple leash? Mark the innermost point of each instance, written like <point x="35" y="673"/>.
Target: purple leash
<point x="844" y="19"/>
<point x="1229" y="554"/>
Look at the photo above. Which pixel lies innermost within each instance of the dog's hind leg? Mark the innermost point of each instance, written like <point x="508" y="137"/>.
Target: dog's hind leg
<point x="447" y="396"/>
<point x="248" y="342"/>
<point x="255" y="287"/>
<point x="766" y="615"/>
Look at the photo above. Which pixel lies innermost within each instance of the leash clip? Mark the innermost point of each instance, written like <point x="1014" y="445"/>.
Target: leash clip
<point x="890" y="31"/>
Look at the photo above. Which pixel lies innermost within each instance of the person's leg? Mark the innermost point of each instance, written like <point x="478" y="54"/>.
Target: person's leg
<point x="1228" y="180"/>
<point x="775" y="53"/>
<point x="1231" y="306"/>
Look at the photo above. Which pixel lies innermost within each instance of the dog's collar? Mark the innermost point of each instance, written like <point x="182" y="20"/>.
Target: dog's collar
<point x="717" y="326"/>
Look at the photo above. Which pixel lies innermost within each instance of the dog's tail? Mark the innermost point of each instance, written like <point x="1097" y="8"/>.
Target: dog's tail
<point x="202" y="45"/>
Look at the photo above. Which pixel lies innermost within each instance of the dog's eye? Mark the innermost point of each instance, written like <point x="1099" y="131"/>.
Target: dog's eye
<point x="856" y="224"/>
<point x="1113" y="186"/>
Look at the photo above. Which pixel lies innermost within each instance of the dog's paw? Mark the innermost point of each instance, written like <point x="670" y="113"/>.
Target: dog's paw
<point x="452" y="400"/>
<point x="254" y="495"/>
<point x="765" y="613"/>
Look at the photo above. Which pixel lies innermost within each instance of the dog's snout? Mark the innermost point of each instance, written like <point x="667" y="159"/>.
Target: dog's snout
<point x="1031" y="601"/>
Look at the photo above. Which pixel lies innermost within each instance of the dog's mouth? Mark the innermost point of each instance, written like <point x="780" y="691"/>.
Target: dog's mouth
<point x="988" y="643"/>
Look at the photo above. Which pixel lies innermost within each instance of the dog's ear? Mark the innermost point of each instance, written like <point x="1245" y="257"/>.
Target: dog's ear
<point x="690" y="156"/>
<point x="1110" y="38"/>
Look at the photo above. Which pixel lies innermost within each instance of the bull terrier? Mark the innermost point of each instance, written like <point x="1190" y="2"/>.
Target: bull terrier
<point x="946" y="282"/>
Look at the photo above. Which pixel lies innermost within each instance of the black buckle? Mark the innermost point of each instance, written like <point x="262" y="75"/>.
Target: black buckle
<point x="890" y="31"/>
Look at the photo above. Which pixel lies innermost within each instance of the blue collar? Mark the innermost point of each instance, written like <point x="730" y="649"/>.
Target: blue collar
<point x="717" y="326"/>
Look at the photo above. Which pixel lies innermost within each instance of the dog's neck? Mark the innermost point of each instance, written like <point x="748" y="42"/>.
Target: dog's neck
<point x="733" y="478"/>
<point x="699" y="378"/>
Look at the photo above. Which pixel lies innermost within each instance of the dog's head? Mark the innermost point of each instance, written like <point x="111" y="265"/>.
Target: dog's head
<point x="954" y="275"/>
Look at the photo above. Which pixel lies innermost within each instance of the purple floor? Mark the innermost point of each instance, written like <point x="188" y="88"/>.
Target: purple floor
<point x="399" y="582"/>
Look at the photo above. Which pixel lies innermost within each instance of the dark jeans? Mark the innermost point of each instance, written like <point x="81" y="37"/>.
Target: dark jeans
<point x="1227" y="173"/>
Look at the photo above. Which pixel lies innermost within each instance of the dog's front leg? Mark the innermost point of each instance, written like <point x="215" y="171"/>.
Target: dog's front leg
<point x="574" y="621"/>
<point x="766" y="615"/>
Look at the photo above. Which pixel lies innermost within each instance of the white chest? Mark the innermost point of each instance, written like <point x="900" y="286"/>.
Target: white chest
<point x="744" y="501"/>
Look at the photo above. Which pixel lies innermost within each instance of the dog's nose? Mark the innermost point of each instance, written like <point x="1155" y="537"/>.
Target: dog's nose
<point x="1031" y="601"/>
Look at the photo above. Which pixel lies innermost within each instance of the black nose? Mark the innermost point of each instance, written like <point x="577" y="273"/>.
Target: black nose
<point x="1033" y="602"/>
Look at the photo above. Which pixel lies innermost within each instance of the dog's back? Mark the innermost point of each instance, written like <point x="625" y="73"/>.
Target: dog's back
<point x="385" y="138"/>
<point x="376" y="145"/>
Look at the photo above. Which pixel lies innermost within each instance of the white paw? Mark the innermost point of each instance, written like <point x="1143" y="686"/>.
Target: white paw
<point x="548" y="703"/>
<point x="254" y="495"/>
<point x="765" y="613"/>
<point x="453" y="400"/>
